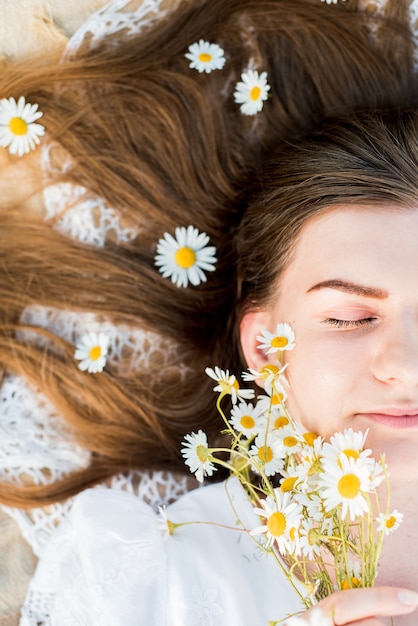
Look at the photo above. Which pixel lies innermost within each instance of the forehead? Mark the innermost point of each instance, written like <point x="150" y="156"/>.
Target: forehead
<point x="356" y="242"/>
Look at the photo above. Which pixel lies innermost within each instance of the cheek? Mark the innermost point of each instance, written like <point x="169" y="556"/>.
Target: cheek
<point x="322" y="379"/>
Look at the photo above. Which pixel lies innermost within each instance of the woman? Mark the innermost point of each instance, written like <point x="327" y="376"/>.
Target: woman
<point x="162" y="145"/>
<point x="344" y="203"/>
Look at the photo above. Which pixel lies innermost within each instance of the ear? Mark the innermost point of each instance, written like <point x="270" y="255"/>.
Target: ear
<point x="251" y="326"/>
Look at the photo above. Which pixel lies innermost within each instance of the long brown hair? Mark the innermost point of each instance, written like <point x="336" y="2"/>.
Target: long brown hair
<point x="167" y="147"/>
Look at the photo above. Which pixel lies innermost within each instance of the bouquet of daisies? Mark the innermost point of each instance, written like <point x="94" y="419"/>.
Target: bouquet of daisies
<point x="320" y="515"/>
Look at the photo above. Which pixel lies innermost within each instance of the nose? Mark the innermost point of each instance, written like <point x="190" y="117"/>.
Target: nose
<point x="396" y="357"/>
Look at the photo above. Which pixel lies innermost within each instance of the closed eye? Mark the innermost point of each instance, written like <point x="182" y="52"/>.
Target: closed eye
<point x="348" y="323"/>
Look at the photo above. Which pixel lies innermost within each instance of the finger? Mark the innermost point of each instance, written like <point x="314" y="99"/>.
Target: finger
<point x="356" y="604"/>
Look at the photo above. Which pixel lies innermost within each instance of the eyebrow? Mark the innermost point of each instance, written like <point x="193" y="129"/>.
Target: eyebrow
<point x="349" y="287"/>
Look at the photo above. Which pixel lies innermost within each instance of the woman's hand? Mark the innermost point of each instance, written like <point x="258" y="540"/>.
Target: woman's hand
<point x="364" y="606"/>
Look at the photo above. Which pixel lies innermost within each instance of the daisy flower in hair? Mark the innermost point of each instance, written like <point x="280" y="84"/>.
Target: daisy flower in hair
<point x="19" y="131"/>
<point x="91" y="351"/>
<point x="184" y="257"/>
<point x="205" y="56"/>
<point x="251" y="92"/>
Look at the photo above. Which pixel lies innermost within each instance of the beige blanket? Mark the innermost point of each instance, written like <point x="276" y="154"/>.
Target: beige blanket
<point x="30" y="26"/>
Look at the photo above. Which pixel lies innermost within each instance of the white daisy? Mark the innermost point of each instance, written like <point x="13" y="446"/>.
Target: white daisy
<point x="205" y="56"/>
<point x="91" y="351"/>
<point x="184" y="257"/>
<point x="290" y="439"/>
<point x="227" y="383"/>
<point x="389" y="523"/>
<point x="350" y="443"/>
<point x="273" y="419"/>
<point x="269" y="374"/>
<point x="376" y="473"/>
<point x="344" y="483"/>
<point x="282" y="515"/>
<point x="18" y="132"/>
<point x="197" y="455"/>
<point x="251" y="92"/>
<point x="246" y="419"/>
<point x="309" y="539"/>
<point x="268" y="453"/>
<point x="164" y="525"/>
<point x="282" y="339"/>
<point x="272" y="401"/>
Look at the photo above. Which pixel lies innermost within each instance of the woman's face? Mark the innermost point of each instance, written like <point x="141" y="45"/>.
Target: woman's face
<point x="350" y="294"/>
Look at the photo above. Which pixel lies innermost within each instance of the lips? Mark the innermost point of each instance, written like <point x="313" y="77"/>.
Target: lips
<point x="395" y="411"/>
<point x="394" y="417"/>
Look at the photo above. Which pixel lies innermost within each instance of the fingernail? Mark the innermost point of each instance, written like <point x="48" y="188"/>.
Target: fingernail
<point x="408" y="597"/>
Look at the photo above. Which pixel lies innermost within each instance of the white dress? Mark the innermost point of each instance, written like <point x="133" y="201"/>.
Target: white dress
<point x="113" y="563"/>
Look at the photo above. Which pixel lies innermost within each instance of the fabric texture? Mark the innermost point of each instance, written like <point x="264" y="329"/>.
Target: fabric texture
<point x="112" y="563"/>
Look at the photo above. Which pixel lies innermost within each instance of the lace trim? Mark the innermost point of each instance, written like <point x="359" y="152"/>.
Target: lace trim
<point x="115" y="18"/>
<point x="129" y="348"/>
<point x="36" y="609"/>
<point x="78" y="214"/>
<point x="31" y="439"/>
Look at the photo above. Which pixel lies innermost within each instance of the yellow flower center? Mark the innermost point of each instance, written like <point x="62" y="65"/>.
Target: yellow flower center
<point x="310" y="438"/>
<point x="247" y="421"/>
<point x="185" y="258"/>
<point x="350" y="584"/>
<point x="288" y="484"/>
<point x="265" y="454"/>
<point x="293" y="533"/>
<point x="254" y="95"/>
<point x="349" y="486"/>
<point x="313" y="536"/>
<point x="267" y="370"/>
<point x="205" y="57"/>
<point x="290" y="441"/>
<point x="390" y="522"/>
<point x="276" y="524"/>
<point x="350" y="454"/>
<point x="95" y="353"/>
<point x="171" y="527"/>
<point x="202" y="453"/>
<point x="276" y="342"/>
<point x="277" y="398"/>
<point x="281" y="421"/>
<point x="227" y="387"/>
<point x="17" y="126"/>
